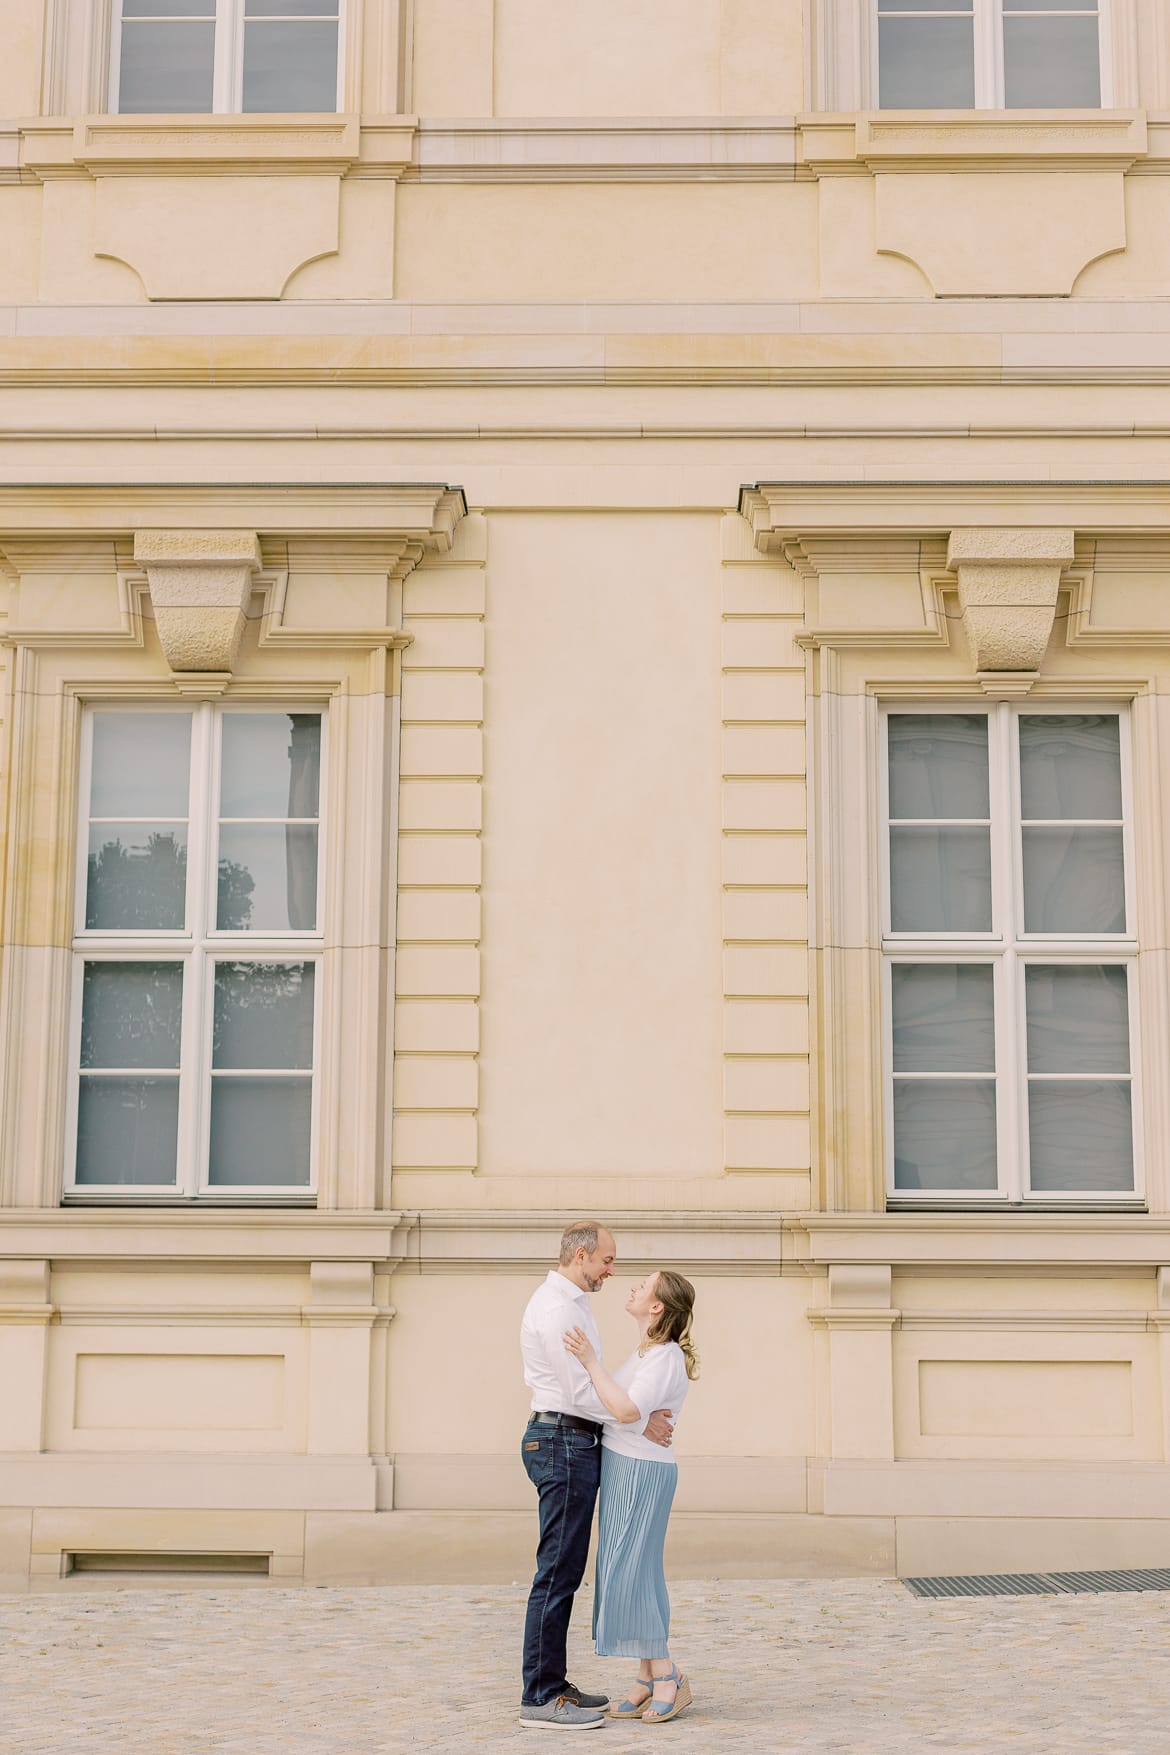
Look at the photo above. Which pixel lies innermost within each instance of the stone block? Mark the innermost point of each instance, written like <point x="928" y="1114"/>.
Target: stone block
<point x="451" y="859"/>
<point x="435" y="1141"/>
<point x="424" y="1081"/>
<point x="442" y="749"/>
<point x="438" y="914"/>
<point x="436" y="1026"/>
<point x="763" y="804"/>
<point x="440" y="804"/>
<point x="437" y="971"/>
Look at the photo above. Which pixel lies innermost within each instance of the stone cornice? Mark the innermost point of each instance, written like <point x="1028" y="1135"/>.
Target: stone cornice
<point x="946" y="141"/>
<point x="150" y="1236"/>
<point x="788" y="512"/>
<point x="584" y="149"/>
<point x="523" y="1243"/>
<point x="1009" y="1242"/>
<point x="606" y="149"/>
<point x="241" y="145"/>
<point x="570" y="357"/>
<point x="423" y="513"/>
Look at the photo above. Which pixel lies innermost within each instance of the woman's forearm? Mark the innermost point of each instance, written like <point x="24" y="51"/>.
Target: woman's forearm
<point x="611" y="1396"/>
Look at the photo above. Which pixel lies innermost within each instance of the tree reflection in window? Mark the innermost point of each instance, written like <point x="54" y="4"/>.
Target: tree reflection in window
<point x="140" y="887"/>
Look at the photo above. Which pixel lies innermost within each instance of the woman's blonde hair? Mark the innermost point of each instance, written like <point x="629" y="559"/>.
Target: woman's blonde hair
<point x="677" y="1298"/>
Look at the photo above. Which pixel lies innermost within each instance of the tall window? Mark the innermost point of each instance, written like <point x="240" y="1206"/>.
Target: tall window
<point x="989" y="54"/>
<point x="178" y="56"/>
<point x="1010" y="957"/>
<point x="197" y="946"/>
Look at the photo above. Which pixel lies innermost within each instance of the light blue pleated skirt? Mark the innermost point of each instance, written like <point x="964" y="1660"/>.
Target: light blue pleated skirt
<point x="631" y="1610"/>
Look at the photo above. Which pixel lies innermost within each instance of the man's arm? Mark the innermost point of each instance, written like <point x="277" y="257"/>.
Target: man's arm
<point x="659" y="1428"/>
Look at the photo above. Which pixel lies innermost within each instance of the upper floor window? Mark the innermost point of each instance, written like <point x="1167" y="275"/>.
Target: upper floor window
<point x="174" y="57"/>
<point x="1010" y="957"/>
<point x="990" y="54"/>
<point x="197" y="947"/>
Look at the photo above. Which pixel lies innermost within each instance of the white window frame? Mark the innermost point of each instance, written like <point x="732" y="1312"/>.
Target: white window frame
<point x="198" y="946"/>
<point x="989" y="64"/>
<point x="228" y="78"/>
<point x="1010" y="950"/>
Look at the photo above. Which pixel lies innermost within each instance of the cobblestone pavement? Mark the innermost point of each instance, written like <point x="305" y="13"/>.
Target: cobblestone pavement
<point x="857" y="1667"/>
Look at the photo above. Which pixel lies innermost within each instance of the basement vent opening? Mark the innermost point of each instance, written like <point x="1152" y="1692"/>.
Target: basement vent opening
<point x="1040" y="1584"/>
<point x="252" y="1564"/>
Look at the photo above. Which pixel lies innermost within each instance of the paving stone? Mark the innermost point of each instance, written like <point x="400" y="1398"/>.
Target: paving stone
<point x="851" y="1667"/>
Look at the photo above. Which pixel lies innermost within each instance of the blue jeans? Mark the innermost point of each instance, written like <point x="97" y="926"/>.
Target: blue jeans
<point x="565" y="1468"/>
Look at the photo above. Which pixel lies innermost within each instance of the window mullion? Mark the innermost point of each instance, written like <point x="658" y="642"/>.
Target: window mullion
<point x="187" y="1165"/>
<point x="200" y="867"/>
<point x="1004" y="885"/>
<point x="1105" y="54"/>
<point x="989" y="81"/>
<point x="229" y="31"/>
<point x="114" y="81"/>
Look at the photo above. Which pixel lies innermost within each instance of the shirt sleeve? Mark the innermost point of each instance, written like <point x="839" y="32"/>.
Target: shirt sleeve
<point x="653" y="1385"/>
<point x="568" y="1370"/>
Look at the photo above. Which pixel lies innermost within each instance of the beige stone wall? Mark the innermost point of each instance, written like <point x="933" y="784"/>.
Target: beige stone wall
<point x="601" y="421"/>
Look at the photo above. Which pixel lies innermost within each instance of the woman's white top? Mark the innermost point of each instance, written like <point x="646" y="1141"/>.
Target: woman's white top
<point x="654" y="1379"/>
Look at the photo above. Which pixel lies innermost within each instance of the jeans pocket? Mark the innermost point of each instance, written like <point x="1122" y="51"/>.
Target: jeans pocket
<point x="536" y="1455"/>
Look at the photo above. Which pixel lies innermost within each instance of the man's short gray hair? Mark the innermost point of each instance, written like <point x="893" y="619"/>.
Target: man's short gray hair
<point x="581" y="1234"/>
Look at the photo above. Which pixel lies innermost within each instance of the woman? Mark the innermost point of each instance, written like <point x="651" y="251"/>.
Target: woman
<point x="631" y="1610"/>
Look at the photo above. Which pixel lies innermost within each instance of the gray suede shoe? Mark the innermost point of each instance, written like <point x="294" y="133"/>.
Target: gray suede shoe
<point x="560" y="1715"/>
<point x="579" y="1697"/>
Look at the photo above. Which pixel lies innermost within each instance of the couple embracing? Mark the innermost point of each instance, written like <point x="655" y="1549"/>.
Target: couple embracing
<point x="592" y="1431"/>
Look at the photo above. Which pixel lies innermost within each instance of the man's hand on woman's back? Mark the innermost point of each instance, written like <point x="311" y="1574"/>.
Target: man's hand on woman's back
<point x="659" y="1428"/>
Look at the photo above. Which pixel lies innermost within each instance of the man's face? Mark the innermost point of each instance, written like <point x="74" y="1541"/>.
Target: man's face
<point x="597" y="1267"/>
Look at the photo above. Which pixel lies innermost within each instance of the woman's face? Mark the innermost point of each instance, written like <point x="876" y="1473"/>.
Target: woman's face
<point x="642" y="1301"/>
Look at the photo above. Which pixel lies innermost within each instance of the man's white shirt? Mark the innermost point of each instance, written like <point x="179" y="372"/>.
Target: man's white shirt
<point x="559" y="1382"/>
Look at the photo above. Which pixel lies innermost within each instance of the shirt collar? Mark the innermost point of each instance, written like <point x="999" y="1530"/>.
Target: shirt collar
<point x="564" y="1287"/>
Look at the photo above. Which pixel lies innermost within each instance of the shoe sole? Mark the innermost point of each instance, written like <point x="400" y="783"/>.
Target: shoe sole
<point x="550" y="1724"/>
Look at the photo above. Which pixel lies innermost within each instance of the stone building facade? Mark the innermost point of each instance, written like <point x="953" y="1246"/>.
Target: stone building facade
<point x="587" y="630"/>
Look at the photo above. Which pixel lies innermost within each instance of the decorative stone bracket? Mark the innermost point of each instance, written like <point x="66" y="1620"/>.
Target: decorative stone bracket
<point x="200" y="583"/>
<point x="1008" y="584"/>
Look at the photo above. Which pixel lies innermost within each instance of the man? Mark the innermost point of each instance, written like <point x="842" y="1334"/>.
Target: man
<point x="561" y="1451"/>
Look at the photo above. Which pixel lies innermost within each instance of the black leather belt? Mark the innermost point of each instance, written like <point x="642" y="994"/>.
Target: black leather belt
<point x="572" y="1421"/>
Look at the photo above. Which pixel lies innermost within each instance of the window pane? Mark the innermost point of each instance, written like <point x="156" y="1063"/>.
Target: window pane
<point x="1078" y="1018"/>
<point x="267" y="878"/>
<point x="944" y="1018"/>
<point x="944" y="1134"/>
<point x="938" y="765"/>
<point x="926" y="63"/>
<point x="127" y="1130"/>
<point x="270" y="765"/>
<point x="925" y="5"/>
<point x="290" y="66"/>
<point x="263" y="1015"/>
<point x="166" y="68"/>
<point x="131" y="1014"/>
<point x="1081" y="1135"/>
<point x="1070" y="768"/>
<point x="260" y="1132"/>
<point x="137" y="877"/>
<point x="940" y="880"/>
<point x="1051" y="63"/>
<point x="168" y="8"/>
<point x="1074" y="880"/>
<point x="141" y="764"/>
<point x="290" y="8"/>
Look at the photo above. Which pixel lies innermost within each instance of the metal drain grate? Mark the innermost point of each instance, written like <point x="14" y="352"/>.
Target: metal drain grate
<point x="1040" y="1584"/>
